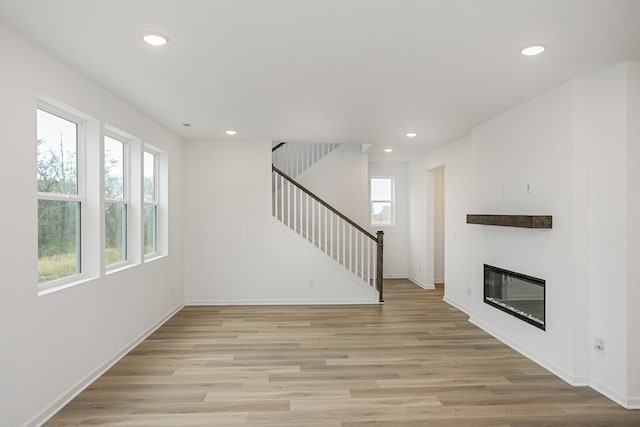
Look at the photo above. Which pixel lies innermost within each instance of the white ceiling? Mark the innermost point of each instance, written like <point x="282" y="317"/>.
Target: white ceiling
<point x="350" y="71"/>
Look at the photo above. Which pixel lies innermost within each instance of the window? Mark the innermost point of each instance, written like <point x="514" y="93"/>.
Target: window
<point x="101" y="196"/>
<point x="382" y="194"/>
<point x="150" y="203"/>
<point x="59" y="177"/>
<point x="116" y="196"/>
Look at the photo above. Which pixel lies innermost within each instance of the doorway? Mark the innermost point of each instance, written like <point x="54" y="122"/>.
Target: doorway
<point x="435" y="225"/>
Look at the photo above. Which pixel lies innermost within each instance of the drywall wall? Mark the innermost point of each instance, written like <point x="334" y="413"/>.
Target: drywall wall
<point x="235" y="252"/>
<point x="54" y="345"/>
<point x="341" y="179"/>
<point x="613" y="101"/>
<point x="455" y="157"/>
<point x="395" y="237"/>
<point x="523" y="163"/>
<point x="605" y="120"/>
<point x="430" y="229"/>
<point x="438" y="225"/>
<point x="417" y="242"/>
<point x="633" y="232"/>
<point x="571" y="152"/>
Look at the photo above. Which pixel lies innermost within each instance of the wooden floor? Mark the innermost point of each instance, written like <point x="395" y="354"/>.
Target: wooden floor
<point x="414" y="361"/>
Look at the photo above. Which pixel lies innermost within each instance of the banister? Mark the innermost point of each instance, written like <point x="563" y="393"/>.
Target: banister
<point x="277" y="146"/>
<point x="323" y="203"/>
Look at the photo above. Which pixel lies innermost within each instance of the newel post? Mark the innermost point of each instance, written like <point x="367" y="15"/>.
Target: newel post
<point x="380" y="239"/>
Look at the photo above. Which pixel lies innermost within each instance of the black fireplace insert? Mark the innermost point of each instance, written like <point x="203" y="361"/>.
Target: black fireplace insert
<point x="520" y="295"/>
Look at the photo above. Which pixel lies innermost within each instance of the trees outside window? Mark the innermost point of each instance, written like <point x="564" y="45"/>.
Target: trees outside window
<point x="150" y="190"/>
<point x="99" y="195"/>
<point x="116" y="188"/>
<point x="58" y="167"/>
<point x="382" y="201"/>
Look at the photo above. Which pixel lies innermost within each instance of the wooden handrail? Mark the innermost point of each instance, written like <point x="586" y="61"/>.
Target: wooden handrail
<point x="379" y="238"/>
<point x="323" y="203"/>
<point x="277" y="146"/>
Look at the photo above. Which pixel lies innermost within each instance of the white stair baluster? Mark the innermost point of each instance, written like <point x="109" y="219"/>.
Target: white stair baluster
<point x="331" y="251"/>
<point x="350" y="246"/>
<point x="307" y="215"/>
<point x="281" y="191"/>
<point x="289" y="189"/>
<point x="313" y="222"/>
<point x="344" y="243"/>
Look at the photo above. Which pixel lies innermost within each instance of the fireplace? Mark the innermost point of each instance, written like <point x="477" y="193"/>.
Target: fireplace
<point x="519" y="295"/>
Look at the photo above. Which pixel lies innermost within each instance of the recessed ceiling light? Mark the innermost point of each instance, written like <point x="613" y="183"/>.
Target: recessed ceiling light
<point x="388" y="150"/>
<point x="532" y="50"/>
<point x="411" y="134"/>
<point x="155" y="39"/>
<point x="231" y="132"/>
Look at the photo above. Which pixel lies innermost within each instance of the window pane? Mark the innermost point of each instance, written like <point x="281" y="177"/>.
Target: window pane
<point x="380" y="189"/>
<point x="149" y="176"/>
<point x="57" y="142"/>
<point x="58" y="239"/>
<point x="381" y="213"/>
<point x="113" y="168"/>
<point x="150" y="229"/>
<point x="115" y="232"/>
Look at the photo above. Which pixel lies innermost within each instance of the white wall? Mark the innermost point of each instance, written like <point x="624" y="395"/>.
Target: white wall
<point x="341" y="179"/>
<point x="235" y="252"/>
<point x="455" y="157"/>
<point x="614" y="137"/>
<point x="532" y="144"/>
<point x="577" y="147"/>
<point x="633" y="232"/>
<point x="607" y="216"/>
<point x="417" y="257"/>
<point x="438" y="220"/>
<point x="55" y="344"/>
<point x="395" y="237"/>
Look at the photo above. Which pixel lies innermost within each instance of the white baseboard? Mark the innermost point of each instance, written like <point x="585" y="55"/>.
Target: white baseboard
<point x="297" y="238"/>
<point x="559" y="372"/>
<point x="456" y="304"/>
<point x="420" y="283"/>
<point x="394" y="276"/>
<point x="192" y="302"/>
<point x="633" y="403"/>
<point x="628" y="403"/>
<point x="77" y="388"/>
<point x="574" y="380"/>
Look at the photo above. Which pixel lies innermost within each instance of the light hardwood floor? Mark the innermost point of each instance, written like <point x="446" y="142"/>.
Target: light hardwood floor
<point x="414" y="361"/>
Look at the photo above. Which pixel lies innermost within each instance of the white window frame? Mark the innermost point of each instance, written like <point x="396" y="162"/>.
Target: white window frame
<point x="126" y="143"/>
<point x="155" y="202"/>
<point x="78" y="197"/>
<point x="392" y="202"/>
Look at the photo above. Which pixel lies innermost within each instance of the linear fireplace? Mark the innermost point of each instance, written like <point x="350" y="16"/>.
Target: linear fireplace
<point x="520" y="295"/>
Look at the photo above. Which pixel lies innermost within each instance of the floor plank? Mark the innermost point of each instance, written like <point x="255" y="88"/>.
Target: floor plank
<point x="413" y="361"/>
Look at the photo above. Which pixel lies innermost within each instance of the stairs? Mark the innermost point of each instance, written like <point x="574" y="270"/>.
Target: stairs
<point x="295" y="158"/>
<point x="346" y="243"/>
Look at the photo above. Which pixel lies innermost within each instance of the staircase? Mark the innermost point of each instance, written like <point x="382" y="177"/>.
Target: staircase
<point x="294" y="159"/>
<point x="349" y="245"/>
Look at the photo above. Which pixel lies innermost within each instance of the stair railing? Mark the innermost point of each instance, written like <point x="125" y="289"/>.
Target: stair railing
<point x="295" y="158"/>
<point x="329" y="230"/>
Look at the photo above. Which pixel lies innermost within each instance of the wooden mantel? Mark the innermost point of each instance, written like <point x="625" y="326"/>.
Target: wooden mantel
<point x="522" y="221"/>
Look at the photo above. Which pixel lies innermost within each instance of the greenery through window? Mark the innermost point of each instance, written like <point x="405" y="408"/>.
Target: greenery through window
<point x="59" y="199"/>
<point x="150" y="203"/>
<point x="96" y="186"/>
<point x="382" y="190"/>
<point x="116" y="200"/>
